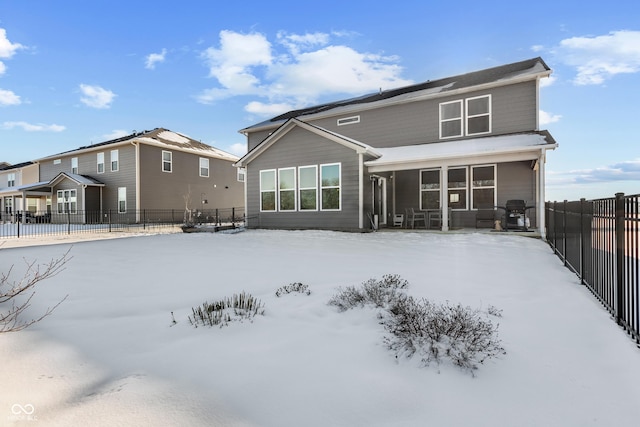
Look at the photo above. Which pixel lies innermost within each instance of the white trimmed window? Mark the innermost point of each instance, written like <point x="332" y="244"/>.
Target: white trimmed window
<point x="430" y="189"/>
<point x="483" y="186"/>
<point x="122" y="199"/>
<point x="167" y="161"/>
<point x="457" y="191"/>
<point x="268" y="190"/>
<point x="451" y="119"/>
<point x="74" y="165"/>
<point x="11" y="179"/>
<point x="100" y="162"/>
<point x="204" y="167"/>
<point x="308" y="188"/>
<point x="287" y="189"/>
<point x="8" y="205"/>
<point x="478" y="115"/>
<point x="241" y="174"/>
<point x="330" y="184"/>
<point x="114" y="160"/>
<point x="67" y="201"/>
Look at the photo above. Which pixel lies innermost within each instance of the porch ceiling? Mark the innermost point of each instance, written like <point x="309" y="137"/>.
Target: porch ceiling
<point x="506" y="148"/>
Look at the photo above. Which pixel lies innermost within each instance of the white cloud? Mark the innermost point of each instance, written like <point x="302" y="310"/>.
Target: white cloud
<point x="96" y="97"/>
<point x="296" y="71"/>
<point x="115" y="134"/>
<point x="155" y="58"/>
<point x="623" y="171"/>
<point x="546" y="118"/>
<point x="7" y="49"/>
<point x="239" y="149"/>
<point x="9" y="98"/>
<point x="597" y="59"/>
<point x="28" y="127"/>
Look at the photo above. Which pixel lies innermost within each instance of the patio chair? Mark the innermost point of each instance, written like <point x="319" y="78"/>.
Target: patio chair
<point x="418" y="216"/>
<point x="435" y="218"/>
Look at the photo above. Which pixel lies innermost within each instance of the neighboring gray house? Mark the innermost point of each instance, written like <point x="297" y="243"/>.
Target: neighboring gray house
<point x="464" y="142"/>
<point x="151" y="170"/>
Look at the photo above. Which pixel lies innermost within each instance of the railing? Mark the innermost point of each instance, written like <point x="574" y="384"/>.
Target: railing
<point x="33" y="224"/>
<point x="600" y="241"/>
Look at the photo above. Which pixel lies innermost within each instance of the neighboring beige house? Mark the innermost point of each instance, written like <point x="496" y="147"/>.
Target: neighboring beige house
<point x="13" y="181"/>
<point x="146" y="171"/>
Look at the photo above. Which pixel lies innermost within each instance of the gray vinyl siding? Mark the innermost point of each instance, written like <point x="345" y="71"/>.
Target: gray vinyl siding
<point x="183" y="187"/>
<point x="256" y="138"/>
<point x="303" y="148"/>
<point x="513" y="110"/>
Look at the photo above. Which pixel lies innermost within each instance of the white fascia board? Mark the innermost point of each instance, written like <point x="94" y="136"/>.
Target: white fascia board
<point x="74" y="153"/>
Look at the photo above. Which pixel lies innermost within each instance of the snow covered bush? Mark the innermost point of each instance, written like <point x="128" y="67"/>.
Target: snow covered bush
<point x="434" y="332"/>
<point x="226" y="310"/>
<point x="379" y="293"/>
<point x="293" y="287"/>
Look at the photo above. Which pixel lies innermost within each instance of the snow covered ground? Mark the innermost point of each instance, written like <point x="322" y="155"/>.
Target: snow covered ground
<point x="109" y="355"/>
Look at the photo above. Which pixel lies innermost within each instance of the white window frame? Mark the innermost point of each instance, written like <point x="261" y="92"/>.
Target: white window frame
<point x="11" y="179"/>
<point x="288" y="189"/>
<point x="100" y="162"/>
<point x="8" y="205"/>
<point x="67" y="201"/>
<point x="274" y="190"/>
<point x="168" y="162"/>
<point x="424" y="190"/>
<point x="241" y="174"/>
<point x="348" y="120"/>
<point x="466" y="187"/>
<point x="203" y="165"/>
<point x="314" y="188"/>
<point x="487" y="114"/>
<point x="329" y="187"/>
<point x="57" y="161"/>
<point x="122" y="199"/>
<point x="484" y="187"/>
<point x="443" y="120"/>
<point x="114" y="158"/>
<point x="74" y="165"/>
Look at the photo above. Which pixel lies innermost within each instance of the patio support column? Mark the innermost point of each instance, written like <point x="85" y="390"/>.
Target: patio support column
<point x="360" y="191"/>
<point x="540" y="214"/>
<point x="444" y="197"/>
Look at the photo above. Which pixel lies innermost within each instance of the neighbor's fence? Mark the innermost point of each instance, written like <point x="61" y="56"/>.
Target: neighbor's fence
<point x="33" y="224"/>
<point x="600" y="241"/>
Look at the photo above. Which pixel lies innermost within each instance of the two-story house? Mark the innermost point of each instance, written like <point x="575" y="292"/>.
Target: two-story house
<point x="151" y="170"/>
<point x="14" y="180"/>
<point x="463" y="143"/>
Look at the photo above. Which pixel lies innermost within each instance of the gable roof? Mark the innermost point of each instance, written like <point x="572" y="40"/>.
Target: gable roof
<point x="355" y="145"/>
<point x="78" y="179"/>
<point x="6" y="166"/>
<point x="158" y="137"/>
<point x="529" y="69"/>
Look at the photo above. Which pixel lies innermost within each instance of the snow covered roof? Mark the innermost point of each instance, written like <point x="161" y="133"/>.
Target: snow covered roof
<point x="406" y="157"/>
<point x="518" y="71"/>
<point x="158" y="137"/>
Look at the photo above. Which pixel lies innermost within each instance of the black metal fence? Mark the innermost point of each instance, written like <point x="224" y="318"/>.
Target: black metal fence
<point x="600" y="241"/>
<point x="33" y="224"/>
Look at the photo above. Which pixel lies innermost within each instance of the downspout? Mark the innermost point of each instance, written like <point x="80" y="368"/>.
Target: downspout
<point x="137" y="189"/>
<point x="246" y="206"/>
<point x="360" y="191"/>
<point x="84" y="203"/>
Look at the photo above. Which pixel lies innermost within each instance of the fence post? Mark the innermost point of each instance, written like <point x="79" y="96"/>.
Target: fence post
<point x="68" y="221"/>
<point x="18" y="226"/>
<point x="233" y="216"/>
<point x="144" y="219"/>
<point x="109" y="217"/>
<point x="582" y="239"/>
<point x="564" y="231"/>
<point x="619" y="227"/>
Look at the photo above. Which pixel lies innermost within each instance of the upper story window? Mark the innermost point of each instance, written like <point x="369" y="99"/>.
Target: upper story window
<point x="114" y="160"/>
<point x="348" y="120"/>
<point x="478" y="115"/>
<point x="57" y="161"/>
<point x="471" y="117"/>
<point x="100" y="161"/>
<point x="11" y="179"/>
<point x="204" y="167"/>
<point x="74" y="165"/>
<point x="167" y="161"/>
<point x="242" y="174"/>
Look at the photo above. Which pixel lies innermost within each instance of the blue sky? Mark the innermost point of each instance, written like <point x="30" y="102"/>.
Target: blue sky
<point x="74" y="73"/>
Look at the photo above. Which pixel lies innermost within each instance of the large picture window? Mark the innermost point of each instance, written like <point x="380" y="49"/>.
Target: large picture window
<point x="483" y="186"/>
<point x="479" y="115"/>
<point x="287" y="189"/>
<point x="308" y="184"/>
<point x="268" y="190"/>
<point x="430" y="189"/>
<point x="330" y="187"/>
<point x="67" y="201"/>
<point x="457" y="191"/>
